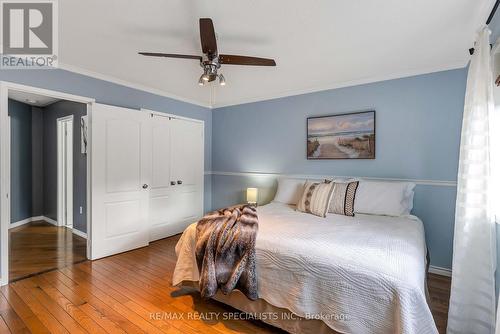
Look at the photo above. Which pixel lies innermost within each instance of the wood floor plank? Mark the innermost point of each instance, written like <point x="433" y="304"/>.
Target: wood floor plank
<point x="143" y="298"/>
<point x="33" y="323"/>
<point x="54" y="308"/>
<point x="10" y="317"/>
<point x="3" y="326"/>
<point x="132" y="310"/>
<point x="52" y="324"/>
<point x="72" y="309"/>
<point x="113" y="301"/>
<point x="132" y="292"/>
<point x="107" y="318"/>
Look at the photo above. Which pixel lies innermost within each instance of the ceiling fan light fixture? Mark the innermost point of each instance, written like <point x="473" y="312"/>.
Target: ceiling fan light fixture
<point x="211" y="60"/>
<point x="222" y="80"/>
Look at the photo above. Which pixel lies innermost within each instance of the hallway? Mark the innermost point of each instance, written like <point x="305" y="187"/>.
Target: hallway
<point x="39" y="246"/>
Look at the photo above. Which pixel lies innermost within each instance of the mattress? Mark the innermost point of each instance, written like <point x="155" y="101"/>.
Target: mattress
<point x="362" y="274"/>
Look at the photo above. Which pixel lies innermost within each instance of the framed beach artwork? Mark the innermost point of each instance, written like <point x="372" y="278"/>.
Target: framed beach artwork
<point x="342" y="136"/>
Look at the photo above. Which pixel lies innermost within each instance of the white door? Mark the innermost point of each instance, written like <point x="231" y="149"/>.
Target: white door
<point x="177" y="175"/>
<point x="121" y="158"/>
<point x="187" y="171"/>
<point x="161" y="199"/>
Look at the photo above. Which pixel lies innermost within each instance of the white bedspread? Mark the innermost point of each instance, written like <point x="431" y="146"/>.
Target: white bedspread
<point x="359" y="275"/>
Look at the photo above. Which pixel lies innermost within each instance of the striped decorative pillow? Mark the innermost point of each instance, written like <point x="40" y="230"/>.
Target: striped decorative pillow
<point x="316" y="198"/>
<point x="342" y="202"/>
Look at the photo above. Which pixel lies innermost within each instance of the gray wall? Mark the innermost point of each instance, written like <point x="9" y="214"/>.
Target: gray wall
<point x="418" y="135"/>
<point x="37" y="161"/>
<point x="50" y="115"/>
<point x="21" y="203"/>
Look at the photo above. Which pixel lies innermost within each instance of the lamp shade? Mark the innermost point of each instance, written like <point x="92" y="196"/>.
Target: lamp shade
<point x="252" y="195"/>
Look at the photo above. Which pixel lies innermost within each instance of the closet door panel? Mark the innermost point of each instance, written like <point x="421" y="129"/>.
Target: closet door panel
<point x="161" y="152"/>
<point x="121" y="158"/>
<point x="161" y="205"/>
<point x="187" y="170"/>
<point x="177" y="175"/>
<point x="187" y="153"/>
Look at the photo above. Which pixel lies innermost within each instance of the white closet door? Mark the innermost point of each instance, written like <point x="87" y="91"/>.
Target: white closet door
<point x="177" y="175"/>
<point x="161" y="199"/>
<point x="187" y="170"/>
<point x="121" y="157"/>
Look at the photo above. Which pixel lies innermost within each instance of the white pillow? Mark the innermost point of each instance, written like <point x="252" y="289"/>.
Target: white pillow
<point x="384" y="198"/>
<point x="289" y="190"/>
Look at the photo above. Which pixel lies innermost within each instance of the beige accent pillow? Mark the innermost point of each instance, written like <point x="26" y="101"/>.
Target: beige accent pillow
<point x="316" y="198"/>
<point x="342" y="202"/>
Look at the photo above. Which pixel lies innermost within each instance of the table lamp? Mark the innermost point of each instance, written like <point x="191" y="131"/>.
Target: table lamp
<point x="252" y="194"/>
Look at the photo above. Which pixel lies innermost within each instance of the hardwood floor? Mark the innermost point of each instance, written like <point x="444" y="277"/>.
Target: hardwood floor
<point x="131" y="293"/>
<point x="39" y="246"/>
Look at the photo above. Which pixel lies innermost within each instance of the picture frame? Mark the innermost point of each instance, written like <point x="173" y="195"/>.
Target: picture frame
<point x="341" y="136"/>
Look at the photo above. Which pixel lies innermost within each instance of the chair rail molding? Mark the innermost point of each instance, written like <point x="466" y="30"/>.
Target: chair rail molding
<point x="442" y="183"/>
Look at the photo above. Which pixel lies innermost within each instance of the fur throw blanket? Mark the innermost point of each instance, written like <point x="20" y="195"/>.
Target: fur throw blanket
<point x="225" y="251"/>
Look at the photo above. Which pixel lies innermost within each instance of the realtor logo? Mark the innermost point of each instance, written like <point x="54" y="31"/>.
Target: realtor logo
<point x="29" y="34"/>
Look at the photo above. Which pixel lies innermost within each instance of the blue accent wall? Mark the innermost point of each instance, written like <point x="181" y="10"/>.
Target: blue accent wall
<point x="118" y="95"/>
<point x="21" y="202"/>
<point x="417" y="137"/>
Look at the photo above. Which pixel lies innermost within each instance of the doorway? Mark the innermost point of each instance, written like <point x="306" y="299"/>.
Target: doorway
<point x="65" y="171"/>
<point x="44" y="215"/>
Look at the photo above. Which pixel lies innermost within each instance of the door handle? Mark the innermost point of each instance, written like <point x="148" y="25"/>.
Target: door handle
<point x="179" y="182"/>
<point x="172" y="183"/>
<point x="145" y="186"/>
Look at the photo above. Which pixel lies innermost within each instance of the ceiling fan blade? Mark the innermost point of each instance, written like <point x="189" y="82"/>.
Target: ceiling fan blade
<point x="207" y="36"/>
<point x="244" y="60"/>
<point x="169" y="55"/>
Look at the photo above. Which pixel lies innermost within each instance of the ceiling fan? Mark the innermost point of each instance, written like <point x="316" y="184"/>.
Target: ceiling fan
<point x="211" y="60"/>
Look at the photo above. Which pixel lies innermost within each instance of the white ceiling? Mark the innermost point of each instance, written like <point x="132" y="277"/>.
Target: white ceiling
<point x="317" y="44"/>
<point x="31" y="99"/>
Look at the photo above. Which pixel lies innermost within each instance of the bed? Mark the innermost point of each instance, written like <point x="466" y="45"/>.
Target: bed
<point x="362" y="274"/>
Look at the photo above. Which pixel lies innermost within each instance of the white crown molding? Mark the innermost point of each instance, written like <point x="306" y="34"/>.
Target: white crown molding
<point x="316" y="177"/>
<point x="129" y="84"/>
<point x="212" y="104"/>
<point x="344" y="84"/>
<point x="440" y="271"/>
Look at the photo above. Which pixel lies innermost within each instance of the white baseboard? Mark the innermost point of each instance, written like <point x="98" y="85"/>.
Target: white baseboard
<point x="79" y="233"/>
<point x="440" y="271"/>
<point x="21" y="222"/>
<point x="49" y="220"/>
<point x="33" y="219"/>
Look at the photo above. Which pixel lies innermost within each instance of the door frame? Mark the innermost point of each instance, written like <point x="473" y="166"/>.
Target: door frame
<point x="5" y="175"/>
<point x="65" y="171"/>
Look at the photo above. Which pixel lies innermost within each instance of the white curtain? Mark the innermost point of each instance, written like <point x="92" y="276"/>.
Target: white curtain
<point x="472" y="302"/>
